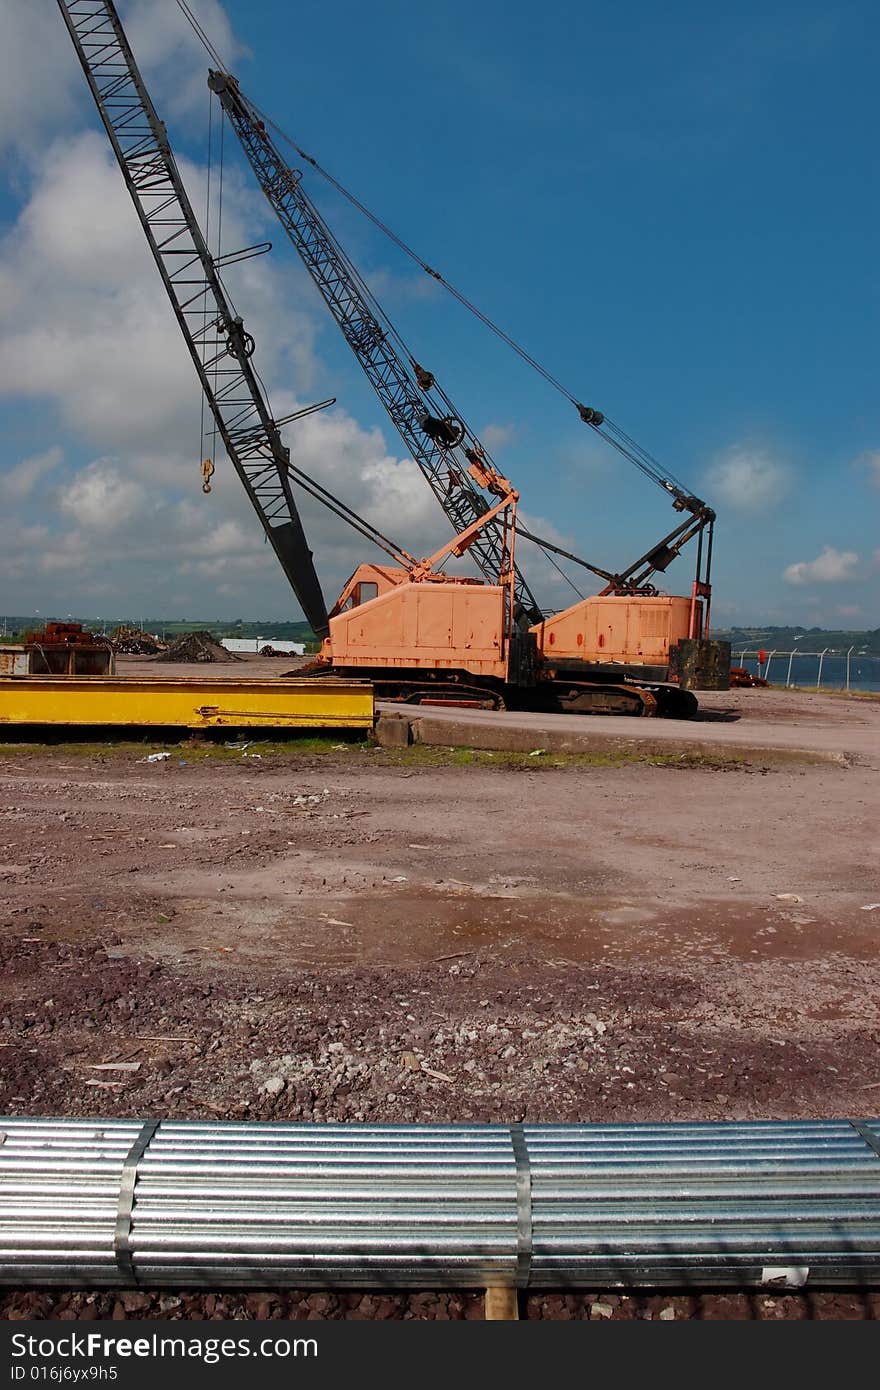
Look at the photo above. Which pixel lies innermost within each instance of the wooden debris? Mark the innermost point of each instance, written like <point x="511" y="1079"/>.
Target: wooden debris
<point x="437" y="1075"/>
<point x="113" y="1066"/>
<point x="502" y="1305"/>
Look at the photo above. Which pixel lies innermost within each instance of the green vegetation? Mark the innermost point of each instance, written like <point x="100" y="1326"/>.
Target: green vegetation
<point x="357" y="750"/>
<point x="13" y="628"/>
<point x="429" y="755"/>
<point x="790" y="638"/>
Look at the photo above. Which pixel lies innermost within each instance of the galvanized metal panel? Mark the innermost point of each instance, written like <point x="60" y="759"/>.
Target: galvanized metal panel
<point x="434" y="1206"/>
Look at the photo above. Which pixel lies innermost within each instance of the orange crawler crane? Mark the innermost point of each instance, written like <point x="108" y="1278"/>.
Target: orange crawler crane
<point x="418" y="633"/>
<point x="421" y="635"/>
<point x="426" y="637"/>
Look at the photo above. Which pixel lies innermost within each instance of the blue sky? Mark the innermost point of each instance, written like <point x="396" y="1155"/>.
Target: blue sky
<point x="674" y="208"/>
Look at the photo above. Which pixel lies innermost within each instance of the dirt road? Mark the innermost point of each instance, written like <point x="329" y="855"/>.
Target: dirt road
<point x="298" y="934"/>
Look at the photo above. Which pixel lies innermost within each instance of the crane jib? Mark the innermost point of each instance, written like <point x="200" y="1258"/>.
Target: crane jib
<point x="404" y="389"/>
<point x="215" y="336"/>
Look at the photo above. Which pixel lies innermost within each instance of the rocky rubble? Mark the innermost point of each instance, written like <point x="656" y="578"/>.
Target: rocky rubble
<point x="299" y="1304"/>
<point x="274" y="937"/>
<point x="468" y="1041"/>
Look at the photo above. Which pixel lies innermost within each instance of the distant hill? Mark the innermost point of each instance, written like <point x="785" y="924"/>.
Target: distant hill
<point x="13" y="627"/>
<point x="806" y="638"/>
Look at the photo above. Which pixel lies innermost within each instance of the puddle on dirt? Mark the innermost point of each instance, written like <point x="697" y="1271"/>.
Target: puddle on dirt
<point x="408" y="929"/>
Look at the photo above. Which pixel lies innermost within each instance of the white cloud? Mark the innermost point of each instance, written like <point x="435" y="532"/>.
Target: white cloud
<point x="38" y="71"/>
<point x="85" y="326"/>
<point x="746" y="479"/>
<point x="396" y="287"/>
<point x="496" y="436"/>
<point x="19" y="548"/>
<point x="41" y="82"/>
<point x="830" y="567"/>
<point x="222" y="541"/>
<point x="84" y="319"/>
<point x="870" y="462"/>
<point x="86" y="332"/>
<point x="353" y="463"/>
<point x="171" y="55"/>
<point x="100" y="498"/>
<point x="19" y="482"/>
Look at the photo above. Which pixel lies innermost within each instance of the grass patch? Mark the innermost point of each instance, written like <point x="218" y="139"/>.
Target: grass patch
<point x="356" y="751"/>
<point x="188" y="750"/>
<point x="431" y="755"/>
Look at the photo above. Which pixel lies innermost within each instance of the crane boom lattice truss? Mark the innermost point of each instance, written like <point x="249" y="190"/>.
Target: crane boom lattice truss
<point x="394" y="381"/>
<point x="215" y="336"/>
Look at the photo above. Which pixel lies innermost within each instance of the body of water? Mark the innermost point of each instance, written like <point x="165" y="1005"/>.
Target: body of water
<point x="864" y="671"/>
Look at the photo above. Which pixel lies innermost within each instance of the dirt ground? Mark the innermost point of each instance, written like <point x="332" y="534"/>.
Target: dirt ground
<point x="277" y="931"/>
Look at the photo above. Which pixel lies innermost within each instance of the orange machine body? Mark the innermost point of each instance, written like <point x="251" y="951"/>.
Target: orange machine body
<point x="386" y="619"/>
<point x="634" y="629"/>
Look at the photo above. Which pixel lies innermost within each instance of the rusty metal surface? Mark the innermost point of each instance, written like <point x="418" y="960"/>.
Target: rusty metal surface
<point x="742" y="676"/>
<point x="701" y="664"/>
<point x="13" y="661"/>
<point x="68" y="649"/>
<point x="64" y="635"/>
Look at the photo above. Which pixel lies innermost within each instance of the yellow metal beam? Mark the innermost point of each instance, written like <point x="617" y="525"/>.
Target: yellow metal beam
<point x="189" y="704"/>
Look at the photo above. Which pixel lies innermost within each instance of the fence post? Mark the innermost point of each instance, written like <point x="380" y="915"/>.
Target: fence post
<point x="788" y="677"/>
<point x="848" y="655"/>
<point x="767" y="667"/>
<point x="821" y="659"/>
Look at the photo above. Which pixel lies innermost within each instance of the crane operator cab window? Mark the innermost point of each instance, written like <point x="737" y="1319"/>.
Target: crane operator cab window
<point x="362" y="593"/>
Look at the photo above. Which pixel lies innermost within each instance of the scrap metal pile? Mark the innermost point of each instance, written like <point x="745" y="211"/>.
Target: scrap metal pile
<point x="68" y="649"/>
<point x="197" y="646"/>
<point x="133" y="641"/>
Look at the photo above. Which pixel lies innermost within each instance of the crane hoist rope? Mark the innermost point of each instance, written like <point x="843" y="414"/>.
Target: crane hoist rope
<point x="199" y="32"/>
<point x="439" y="441"/>
<point x="611" y="432"/>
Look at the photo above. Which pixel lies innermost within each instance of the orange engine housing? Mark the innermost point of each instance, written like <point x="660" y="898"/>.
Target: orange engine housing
<point x="386" y="619"/>
<point x="626" y="629"/>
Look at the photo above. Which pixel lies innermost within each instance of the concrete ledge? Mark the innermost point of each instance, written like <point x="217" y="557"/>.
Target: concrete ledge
<point x="398" y="730"/>
<point x="393" y="731"/>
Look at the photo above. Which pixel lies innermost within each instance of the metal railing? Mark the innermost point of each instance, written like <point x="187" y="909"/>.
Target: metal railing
<point x="842" y="679"/>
